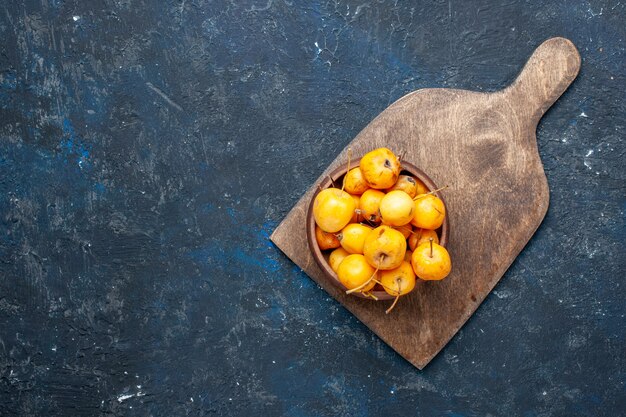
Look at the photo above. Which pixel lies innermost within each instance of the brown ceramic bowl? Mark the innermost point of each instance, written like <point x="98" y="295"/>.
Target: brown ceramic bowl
<point x="322" y="257"/>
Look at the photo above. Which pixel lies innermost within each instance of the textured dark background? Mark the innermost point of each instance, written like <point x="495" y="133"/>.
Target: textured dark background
<point x="148" y="149"/>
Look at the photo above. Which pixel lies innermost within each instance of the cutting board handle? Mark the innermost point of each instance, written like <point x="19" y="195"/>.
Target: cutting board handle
<point x="547" y="74"/>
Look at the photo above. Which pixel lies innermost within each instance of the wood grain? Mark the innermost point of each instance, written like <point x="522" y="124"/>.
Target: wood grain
<point x="482" y="145"/>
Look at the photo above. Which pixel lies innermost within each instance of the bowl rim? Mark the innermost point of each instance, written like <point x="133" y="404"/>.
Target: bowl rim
<point x="337" y="173"/>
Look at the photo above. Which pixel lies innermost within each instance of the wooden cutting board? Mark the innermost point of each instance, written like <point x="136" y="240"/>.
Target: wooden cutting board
<point x="482" y="145"/>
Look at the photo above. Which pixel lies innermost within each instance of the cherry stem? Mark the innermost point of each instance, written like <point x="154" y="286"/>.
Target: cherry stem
<point x="431" y="246"/>
<point x="431" y="192"/>
<point x="365" y="284"/>
<point x="331" y="181"/>
<point x="344" y="177"/>
<point x="382" y="285"/>
<point x="392" y="305"/>
<point x="397" y="298"/>
<point x="369" y="222"/>
<point x="413" y="232"/>
<point x="369" y="294"/>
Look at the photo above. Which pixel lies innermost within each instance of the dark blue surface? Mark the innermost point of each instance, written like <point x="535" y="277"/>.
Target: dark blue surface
<point x="148" y="149"/>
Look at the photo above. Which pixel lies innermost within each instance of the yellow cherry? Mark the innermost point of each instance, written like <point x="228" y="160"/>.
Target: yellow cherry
<point x="396" y="208"/>
<point x="380" y="168"/>
<point x="355" y="216"/>
<point x="333" y="209"/>
<point x="431" y="261"/>
<point x="356" y="274"/>
<point x="354" y="183"/>
<point x="406" y="183"/>
<point x="369" y="205"/>
<point x="420" y="187"/>
<point x="420" y="236"/>
<point x="352" y="237"/>
<point x="429" y="212"/>
<point x="384" y="248"/>
<point x="335" y="258"/>
<point x="407" y="255"/>
<point x="326" y="240"/>
<point x="398" y="281"/>
<point x="406" y="230"/>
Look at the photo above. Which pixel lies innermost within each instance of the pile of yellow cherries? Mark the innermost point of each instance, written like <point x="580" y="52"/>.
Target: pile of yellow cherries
<point x="381" y="227"/>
